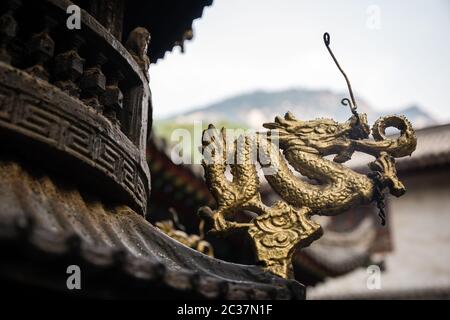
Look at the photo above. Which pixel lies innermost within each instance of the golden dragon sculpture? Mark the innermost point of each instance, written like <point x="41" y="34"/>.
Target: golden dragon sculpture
<point x="332" y="188"/>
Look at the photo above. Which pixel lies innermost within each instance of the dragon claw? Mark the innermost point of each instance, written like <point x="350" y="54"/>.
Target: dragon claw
<point x="217" y="221"/>
<point x="220" y="224"/>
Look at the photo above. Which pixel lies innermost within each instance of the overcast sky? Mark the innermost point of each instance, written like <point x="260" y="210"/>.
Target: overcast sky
<point x="396" y="52"/>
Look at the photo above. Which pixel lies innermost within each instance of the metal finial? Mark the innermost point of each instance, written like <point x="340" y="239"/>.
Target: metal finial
<point x="346" y="102"/>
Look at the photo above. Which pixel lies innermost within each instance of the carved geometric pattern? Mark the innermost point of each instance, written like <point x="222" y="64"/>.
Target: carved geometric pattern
<point x="38" y="120"/>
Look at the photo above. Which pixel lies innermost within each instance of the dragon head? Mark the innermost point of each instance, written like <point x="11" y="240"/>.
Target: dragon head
<point x="320" y="136"/>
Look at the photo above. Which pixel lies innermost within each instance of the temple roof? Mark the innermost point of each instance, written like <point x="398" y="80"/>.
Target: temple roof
<point x="47" y="222"/>
<point x="167" y="20"/>
<point x="433" y="149"/>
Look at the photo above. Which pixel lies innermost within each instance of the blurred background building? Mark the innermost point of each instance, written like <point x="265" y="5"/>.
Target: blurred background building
<point x="258" y="59"/>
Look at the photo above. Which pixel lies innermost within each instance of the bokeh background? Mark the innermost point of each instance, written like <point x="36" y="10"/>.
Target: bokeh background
<point x="252" y="60"/>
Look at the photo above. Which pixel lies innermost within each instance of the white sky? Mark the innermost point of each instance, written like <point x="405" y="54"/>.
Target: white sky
<point x="245" y="45"/>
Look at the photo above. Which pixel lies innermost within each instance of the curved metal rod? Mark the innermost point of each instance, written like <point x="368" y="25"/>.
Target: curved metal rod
<point x="345" y="101"/>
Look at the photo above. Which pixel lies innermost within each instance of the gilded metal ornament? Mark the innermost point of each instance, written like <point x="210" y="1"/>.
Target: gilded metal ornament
<point x="332" y="188"/>
<point x="176" y="231"/>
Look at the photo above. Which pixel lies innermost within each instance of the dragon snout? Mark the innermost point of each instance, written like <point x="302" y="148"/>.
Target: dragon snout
<point x="396" y="187"/>
<point x="385" y="166"/>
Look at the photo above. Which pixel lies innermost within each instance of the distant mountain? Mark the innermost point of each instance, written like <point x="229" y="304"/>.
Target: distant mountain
<point x="417" y="116"/>
<point x="252" y="109"/>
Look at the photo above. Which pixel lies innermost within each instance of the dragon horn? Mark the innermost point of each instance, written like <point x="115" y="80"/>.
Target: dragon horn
<point x="289" y="116"/>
